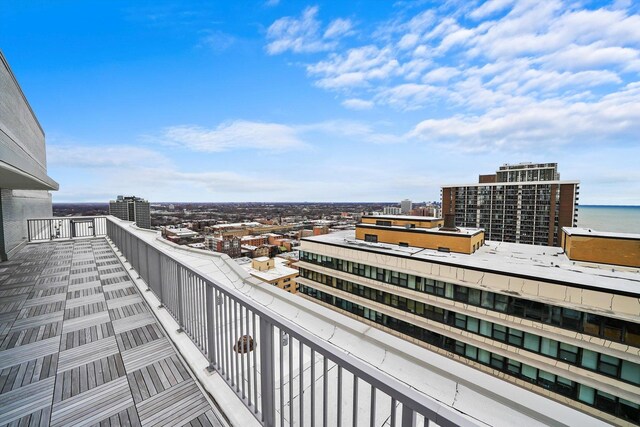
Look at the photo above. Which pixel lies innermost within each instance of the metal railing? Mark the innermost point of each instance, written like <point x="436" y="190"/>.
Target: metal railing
<point x="57" y="228"/>
<point x="271" y="363"/>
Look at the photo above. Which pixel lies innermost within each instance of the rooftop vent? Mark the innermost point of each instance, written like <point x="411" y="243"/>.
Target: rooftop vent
<point x="449" y="223"/>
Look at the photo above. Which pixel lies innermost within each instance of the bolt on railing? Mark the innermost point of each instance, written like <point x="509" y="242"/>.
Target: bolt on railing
<point x="255" y="350"/>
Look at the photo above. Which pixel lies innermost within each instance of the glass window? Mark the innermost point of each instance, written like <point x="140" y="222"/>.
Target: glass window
<point x="499" y="332"/>
<point x="449" y="291"/>
<point x="546" y="379"/>
<point x="613" y="329"/>
<point x="589" y="359"/>
<point x="501" y="303"/>
<point x="605" y="401"/>
<point x="474" y="296"/>
<point x="609" y="365"/>
<point x="473" y="324"/>
<point x="529" y="373"/>
<point x="471" y="352"/>
<point x="514" y="367"/>
<point x="483" y="356"/>
<point x="487" y="299"/>
<point x="571" y="319"/>
<point x="592" y="324"/>
<point x="497" y="362"/>
<point x="549" y="347"/>
<point x="532" y="342"/>
<point x="629" y="410"/>
<point x="568" y="352"/>
<point x="586" y="394"/>
<point x="460" y="321"/>
<point x="630" y="372"/>
<point x="515" y="337"/>
<point x="485" y="328"/>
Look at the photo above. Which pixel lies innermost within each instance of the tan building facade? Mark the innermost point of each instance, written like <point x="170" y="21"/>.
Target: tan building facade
<point x="524" y="313"/>
<point x="587" y="245"/>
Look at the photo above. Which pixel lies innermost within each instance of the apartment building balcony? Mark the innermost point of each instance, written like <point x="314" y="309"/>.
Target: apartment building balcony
<point x="102" y="322"/>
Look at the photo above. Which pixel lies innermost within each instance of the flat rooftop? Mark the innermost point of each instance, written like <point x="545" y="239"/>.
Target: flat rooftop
<point x="590" y="232"/>
<point x="468" y="231"/>
<point x="80" y="346"/>
<point x="548" y="263"/>
<point x="404" y="217"/>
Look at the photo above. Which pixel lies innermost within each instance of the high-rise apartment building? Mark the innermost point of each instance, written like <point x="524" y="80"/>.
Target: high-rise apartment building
<point x="391" y="210"/>
<point x="560" y="324"/>
<point x="521" y="203"/>
<point x="406" y="206"/>
<point x="131" y="208"/>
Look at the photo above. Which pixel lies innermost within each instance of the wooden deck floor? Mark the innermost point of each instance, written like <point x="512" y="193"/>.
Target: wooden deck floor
<point x="79" y="346"/>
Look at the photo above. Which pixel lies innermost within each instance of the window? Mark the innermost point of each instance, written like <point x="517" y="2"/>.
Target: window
<point x="549" y="347"/>
<point x="515" y="337"/>
<point x="630" y="372"/>
<point x="383" y="223"/>
<point x="371" y="238"/>
<point x="532" y="342"/>
<point x="568" y="352"/>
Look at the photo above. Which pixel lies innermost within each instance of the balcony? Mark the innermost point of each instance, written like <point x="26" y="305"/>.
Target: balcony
<point x="104" y="322"/>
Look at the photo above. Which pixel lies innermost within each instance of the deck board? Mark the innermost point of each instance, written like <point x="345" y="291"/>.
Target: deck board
<point x="80" y="346"/>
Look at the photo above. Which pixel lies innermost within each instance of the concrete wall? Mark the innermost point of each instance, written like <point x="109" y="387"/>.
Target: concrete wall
<point x="22" y="143"/>
<point x="16" y="206"/>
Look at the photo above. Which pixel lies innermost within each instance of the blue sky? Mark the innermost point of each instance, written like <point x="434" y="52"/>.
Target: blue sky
<point x="327" y="101"/>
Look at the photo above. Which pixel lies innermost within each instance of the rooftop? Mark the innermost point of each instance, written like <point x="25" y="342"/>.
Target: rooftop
<point x="460" y="230"/>
<point x="531" y="261"/>
<point x="405" y="217"/>
<point x="452" y="392"/>
<point x="79" y="345"/>
<point x="579" y="231"/>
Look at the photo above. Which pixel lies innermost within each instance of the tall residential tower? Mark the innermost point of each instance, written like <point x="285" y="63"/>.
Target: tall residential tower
<point x="521" y="203"/>
<point x="131" y="208"/>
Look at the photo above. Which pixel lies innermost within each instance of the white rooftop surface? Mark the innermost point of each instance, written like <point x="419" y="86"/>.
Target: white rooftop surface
<point x="481" y="397"/>
<point x="405" y="217"/>
<point x="279" y="271"/>
<point x="181" y="232"/>
<point x="461" y="230"/>
<point x="579" y="231"/>
<point x="537" y="262"/>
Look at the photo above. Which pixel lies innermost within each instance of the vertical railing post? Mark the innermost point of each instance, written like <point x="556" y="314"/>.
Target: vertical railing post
<point x="29" y="230"/>
<point x="211" y="345"/>
<point x="408" y="416"/>
<point x="51" y="229"/>
<point x="180" y="307"/>
<point x="93" y="224"/>
<point x="266" y="373"/>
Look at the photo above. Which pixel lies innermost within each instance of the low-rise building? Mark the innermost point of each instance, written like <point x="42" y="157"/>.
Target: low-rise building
<point x="562" y="322"/>
<point x="273" y="271"/>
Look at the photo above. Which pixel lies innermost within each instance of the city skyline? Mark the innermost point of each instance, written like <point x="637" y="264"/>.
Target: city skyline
<point x="282" y="101"/>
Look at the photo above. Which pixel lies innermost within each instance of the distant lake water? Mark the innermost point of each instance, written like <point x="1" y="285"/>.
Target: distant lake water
<point x="621" y="219"/>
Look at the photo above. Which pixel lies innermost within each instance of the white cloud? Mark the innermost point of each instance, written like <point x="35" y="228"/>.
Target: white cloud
<point x="239" y="134"/>
<point x="355" y="68"/>
<point x="490" y="7"/>
<point x="615" y="117"/>
<point x="304" y="35"/>
<point x="357" y="104"/>
<point x="102" y="156"/>
<point x="338" y="28"/>
<point x="440" y="75"/>
<point x="217" y="41"/>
